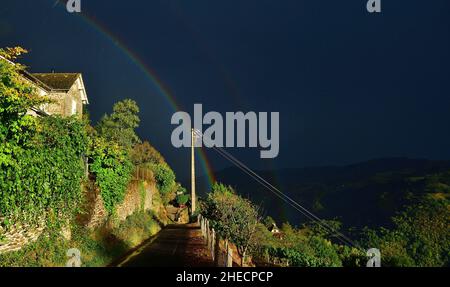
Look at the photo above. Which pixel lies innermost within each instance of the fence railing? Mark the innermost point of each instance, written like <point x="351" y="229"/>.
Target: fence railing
<point x="222" y="254"/>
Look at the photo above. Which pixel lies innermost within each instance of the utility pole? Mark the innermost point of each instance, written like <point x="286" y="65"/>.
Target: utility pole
<point x="193" y="198"/>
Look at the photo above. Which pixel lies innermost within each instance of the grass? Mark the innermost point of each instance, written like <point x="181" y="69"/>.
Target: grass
<point x="136" y="228"/>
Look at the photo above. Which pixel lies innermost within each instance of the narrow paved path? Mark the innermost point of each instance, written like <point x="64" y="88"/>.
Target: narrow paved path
<point x="174" y="246"/>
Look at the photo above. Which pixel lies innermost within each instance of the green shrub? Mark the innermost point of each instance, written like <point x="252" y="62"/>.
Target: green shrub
<point x="164" y="176"/>
<point x="112" y="169"/>
<point x="144" y="153"/>
<point x="351" y="257"/>
<point x="136" y="228"/>
<point x="46" y="176"/>
<point x="420" y="236"/>
<point x="312" y="252"/>
<point x="182" y="199"/>
<point x="120" y="126"/>
<point x="232" y="217"/>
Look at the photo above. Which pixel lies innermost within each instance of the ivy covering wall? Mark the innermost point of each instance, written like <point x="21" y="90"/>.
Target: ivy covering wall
<point x="40" y="158"/>
<point x="112" y="169"/>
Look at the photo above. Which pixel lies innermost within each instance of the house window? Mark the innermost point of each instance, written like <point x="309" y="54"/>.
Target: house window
<point x="74" y="106"/>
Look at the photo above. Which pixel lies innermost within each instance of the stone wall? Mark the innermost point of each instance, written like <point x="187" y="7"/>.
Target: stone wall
<point x="18" y="236"/>
<point x="95" y="212"/>
<point x="73" y="94"/>
<point x="63" y="102"/>
<point x="57" y="106"/>
<point x="134" y="201"/>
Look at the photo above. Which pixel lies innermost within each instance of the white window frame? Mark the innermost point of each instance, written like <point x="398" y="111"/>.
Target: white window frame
<point x="74" y="106"/>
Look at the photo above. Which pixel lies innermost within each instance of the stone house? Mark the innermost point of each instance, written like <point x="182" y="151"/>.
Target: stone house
<point x="67" y="91"/>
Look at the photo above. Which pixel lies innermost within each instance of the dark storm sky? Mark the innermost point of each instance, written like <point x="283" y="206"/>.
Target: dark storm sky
<point x="349" y="86"/>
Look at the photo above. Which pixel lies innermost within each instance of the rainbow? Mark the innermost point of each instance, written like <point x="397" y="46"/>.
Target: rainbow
<point x="150" y="74"/>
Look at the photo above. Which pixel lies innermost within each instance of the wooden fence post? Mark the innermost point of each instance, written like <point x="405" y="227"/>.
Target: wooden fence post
<point x="202" y="222"/>
<point x="213" y="243"/>
<point x="202" y="225"/>
<point x="229" y="257"/>
<point x="225" y="254"/>
<point x="207" y="238"/>
<point x="218" y="254"/>
<point x="204" y="228"/>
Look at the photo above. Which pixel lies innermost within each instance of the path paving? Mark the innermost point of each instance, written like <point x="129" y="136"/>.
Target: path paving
<point x="174" y="246"/>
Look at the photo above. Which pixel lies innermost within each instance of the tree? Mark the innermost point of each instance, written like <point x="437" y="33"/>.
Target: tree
<point x="165" y="181"/>
<point x="425" y="227"/>
<point x="324" y="228"/>
<point x="165" y="178"/>
<point x="233" y="217"/>
<point x="17" y="96"/>
<point x="420" y="236"/>
<point x="143" y="153"/>
<point x="269" y="222"/>
<point x="120" y="126"/>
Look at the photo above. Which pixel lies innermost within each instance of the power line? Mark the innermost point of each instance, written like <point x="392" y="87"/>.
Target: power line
<point x="290" y="201"/>
<point x="280" y="194"/>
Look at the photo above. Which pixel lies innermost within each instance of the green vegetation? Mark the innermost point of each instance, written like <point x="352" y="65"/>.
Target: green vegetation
<point x="233" y="218"/>
<point x="40" y="158"/>
<point x="420" y="237"/>
<point x="165" y="178"/>
<point x="302" y="247"/>
<point x="400" y="206"/>
<point x="144" y="153"/>
<point x="419" y="234"/>
<point x="138" y="227"/>
<point x="112" y="169"/>
<point x="182" y="196"/>
<point x="98" y="247"/>
<point x="110" y="151"/>
<point x="42" y="178"/>
<point x="119" y="127"/>
<point x="236" y="219"/>
<point x="182" y="199"/>
<point x="43" y="174"/>
<point x="165" y="181"/>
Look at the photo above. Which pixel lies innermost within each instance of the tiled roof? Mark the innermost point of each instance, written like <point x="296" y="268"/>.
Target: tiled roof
<point x="57" y="81"/>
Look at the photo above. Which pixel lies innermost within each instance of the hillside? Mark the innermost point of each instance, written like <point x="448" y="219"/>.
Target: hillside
<point x="362" y="194"/>
<point x="95" y="189"/>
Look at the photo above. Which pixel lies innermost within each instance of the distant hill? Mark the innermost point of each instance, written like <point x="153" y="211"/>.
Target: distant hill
<point x="362" y="194"/>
